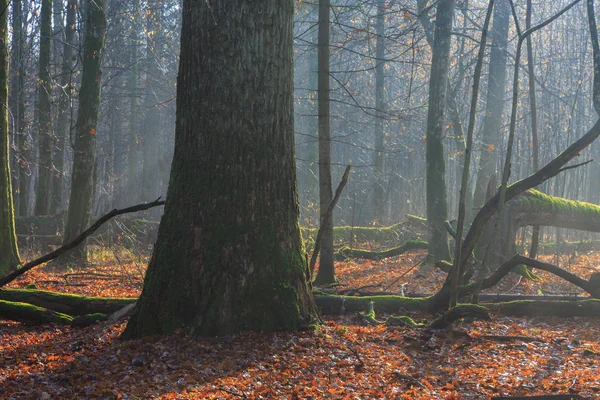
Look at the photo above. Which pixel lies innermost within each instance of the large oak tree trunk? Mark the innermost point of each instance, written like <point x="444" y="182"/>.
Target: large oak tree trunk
<point x="229" y="256"/>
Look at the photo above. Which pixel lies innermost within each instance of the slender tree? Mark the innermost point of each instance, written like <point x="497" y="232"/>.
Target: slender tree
<point x="151" y="107"/>
<point x="492" y="120"/>
<point x="379" y="191"/>
<point x="63" y="126"/>
<point x="326" y="272"/>
<point x="42" y="200"/>
<point x="437" y="208"/>
<point x="9" y="254"/>
<point x="229" y="255"/>
<point x="132" y="154"/>
<point x="82" y="178"/>
<point x="17" y="107"/>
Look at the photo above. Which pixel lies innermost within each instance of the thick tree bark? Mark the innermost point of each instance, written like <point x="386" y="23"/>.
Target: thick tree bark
<point x="82" y="179"/>
<point x="229" y="256"/>
<point x="326" y="272"/>
<point x="9" y="254"/>
<point x="42" y="201"/>
<point x="492" y="122"/>
<point x="437" y="208"/>
<point x="63" y="126"/>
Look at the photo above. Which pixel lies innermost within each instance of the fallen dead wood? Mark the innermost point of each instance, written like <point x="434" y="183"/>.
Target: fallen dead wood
<point x="70" y="304"/>
<point x="78" y="240"/>
<point x="347" y="252"/>
<point x="326" y="217"/>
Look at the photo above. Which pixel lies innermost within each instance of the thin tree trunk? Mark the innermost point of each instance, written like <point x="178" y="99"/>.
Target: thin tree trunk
<point x="132" y="155"/>
<point x="492" y="122"/>
<point x="63" y="126"/>
<point x="42" y="201"/>
<point x="152" y="110"/>
<point x="437" y="208"/>
<point x="326" y="272"/>
<point x="82" y="178"/>
<point x="379" y="191"/>
<point x="535" y="236"/>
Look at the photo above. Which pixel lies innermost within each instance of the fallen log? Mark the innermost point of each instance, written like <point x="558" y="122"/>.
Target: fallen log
<point x="24" y="312"/>
<point x="70" y="304"/>
<point x="530" y="308"/>
<point x="347" y="252"/>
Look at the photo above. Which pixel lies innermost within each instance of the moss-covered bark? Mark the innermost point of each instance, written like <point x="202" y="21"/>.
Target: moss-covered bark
<point x="42" y="199"/>
<point x="9" y="254"/>
<point x="82" y="179"/>
<point x="229" y="255"/>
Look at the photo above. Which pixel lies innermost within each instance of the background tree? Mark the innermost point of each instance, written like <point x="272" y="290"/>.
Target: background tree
<point x="326" y="273"/>
<point x="65" y="95"/>
<point x="229" y="255"/>
<point x="42" y="200"/>
<point x="437" y="212"/>
<point x="82" y="179"/>
<point x="22" y="172"/>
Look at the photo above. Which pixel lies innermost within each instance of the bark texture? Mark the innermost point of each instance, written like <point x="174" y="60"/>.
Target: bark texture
<point x="9" y="254"/>
<point x="229" y="256"/>
<point x="82" y="179"/>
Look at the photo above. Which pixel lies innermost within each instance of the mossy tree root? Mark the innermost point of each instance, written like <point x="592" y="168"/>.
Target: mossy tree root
<point x="347" y="252"/>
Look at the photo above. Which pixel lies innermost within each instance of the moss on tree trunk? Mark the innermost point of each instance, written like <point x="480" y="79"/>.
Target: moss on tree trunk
<point x="229" y="255"/>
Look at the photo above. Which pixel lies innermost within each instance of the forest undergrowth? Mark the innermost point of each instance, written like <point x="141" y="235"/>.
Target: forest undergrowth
<point x="343" y="359"/>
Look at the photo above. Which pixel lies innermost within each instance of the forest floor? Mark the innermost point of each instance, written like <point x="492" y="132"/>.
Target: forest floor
<point x="342" y="360"/>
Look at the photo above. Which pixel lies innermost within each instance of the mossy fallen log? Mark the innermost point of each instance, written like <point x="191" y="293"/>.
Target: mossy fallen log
<point x="414" y="228"/>
<point x="70" y="304"/>
<point x="24" y="312"/>
<point x="347" y="252"/>
<point x="531" y="308"/>
<point x="341" y="305"/>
